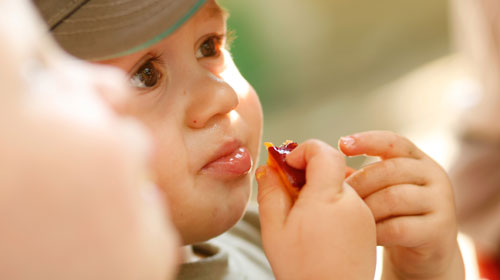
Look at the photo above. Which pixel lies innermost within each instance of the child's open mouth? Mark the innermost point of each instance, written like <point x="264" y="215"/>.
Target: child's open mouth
<point x="230" y="162"/>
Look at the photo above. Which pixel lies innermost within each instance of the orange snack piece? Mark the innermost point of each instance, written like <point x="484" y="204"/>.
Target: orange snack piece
<point x="294" y="179"/>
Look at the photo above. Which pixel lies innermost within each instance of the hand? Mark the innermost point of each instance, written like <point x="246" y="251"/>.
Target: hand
<point x="411" y="199"/>
<point x="328" y="232"/>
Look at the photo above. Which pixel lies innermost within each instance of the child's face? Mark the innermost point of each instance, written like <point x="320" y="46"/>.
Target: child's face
<point x="206" y="120"/>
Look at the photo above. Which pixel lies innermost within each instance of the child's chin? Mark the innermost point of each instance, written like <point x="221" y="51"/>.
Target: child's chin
<point x="210" y="226"/>
<point x="212" y="211"/>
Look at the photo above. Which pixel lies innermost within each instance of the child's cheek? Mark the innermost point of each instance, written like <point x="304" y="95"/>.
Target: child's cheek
<point x="232" y="76"/>
<point x="250" y="111"/>
<point x="251" y="106"/>
<point x="169" y="155"/>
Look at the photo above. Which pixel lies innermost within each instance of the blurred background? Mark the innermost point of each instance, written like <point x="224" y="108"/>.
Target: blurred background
<point x="324" y="69"/>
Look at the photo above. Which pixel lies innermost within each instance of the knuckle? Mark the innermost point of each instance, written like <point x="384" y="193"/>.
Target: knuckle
<point x="381" y="169"/>
<point x="313" y="142"/>
<point x="315" y="146"/>
<point x="264" y="193"/>
<point x="411" y="149"/>
<point x="388" y="167"/>
<point x="394" y="230"/>
<point x="310" y="146"/>
<point x="390" y="200"/>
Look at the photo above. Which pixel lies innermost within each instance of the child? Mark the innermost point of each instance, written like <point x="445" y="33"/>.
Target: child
<point x="74" y="200"/>
<point x="206" y="120"/>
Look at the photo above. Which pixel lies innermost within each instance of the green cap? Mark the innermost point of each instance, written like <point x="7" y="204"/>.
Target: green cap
<point x="102" y="29"/>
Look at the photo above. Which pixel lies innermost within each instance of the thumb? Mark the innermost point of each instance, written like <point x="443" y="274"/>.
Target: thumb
<point x="325" y="169"/>
<point x="273" y="198"/>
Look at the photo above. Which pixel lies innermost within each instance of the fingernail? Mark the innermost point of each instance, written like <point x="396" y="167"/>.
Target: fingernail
<point x="348" y="141"/>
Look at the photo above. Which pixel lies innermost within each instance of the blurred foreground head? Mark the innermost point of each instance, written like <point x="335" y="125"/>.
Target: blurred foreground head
<point x="475" y="174"/>
<point x="75" y="194"/>
<point x="477" y="35"/>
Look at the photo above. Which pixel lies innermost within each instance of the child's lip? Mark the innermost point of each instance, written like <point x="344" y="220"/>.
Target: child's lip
<point x="232" y="160"/>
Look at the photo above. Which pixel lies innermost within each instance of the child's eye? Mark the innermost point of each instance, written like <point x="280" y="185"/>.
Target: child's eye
<point x="211" y="47"/>
<point x="147" y="76"/>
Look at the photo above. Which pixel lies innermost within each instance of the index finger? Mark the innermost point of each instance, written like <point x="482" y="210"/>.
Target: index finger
<point x="384" y="144"/>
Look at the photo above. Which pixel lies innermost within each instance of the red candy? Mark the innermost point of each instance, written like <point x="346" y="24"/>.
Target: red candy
<point x="293" y="178"/>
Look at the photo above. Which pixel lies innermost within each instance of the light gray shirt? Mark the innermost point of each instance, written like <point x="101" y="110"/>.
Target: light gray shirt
<point x="236" y="254"/>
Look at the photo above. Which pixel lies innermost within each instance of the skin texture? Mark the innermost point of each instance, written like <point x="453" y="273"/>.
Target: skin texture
<point x="198" y="106"/>
<point x="75" y="198"/>
<point x="328" y="232"/>
<point x="411" y="199"/>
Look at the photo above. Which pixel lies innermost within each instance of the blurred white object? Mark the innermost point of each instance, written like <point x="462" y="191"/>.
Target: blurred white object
<point x="469" y="256"/>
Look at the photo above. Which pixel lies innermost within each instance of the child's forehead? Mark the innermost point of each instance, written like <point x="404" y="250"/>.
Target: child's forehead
<point x="209" y="12"/>
<point x="212" y="9"/>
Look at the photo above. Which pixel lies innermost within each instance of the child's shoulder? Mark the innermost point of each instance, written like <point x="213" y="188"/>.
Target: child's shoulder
<point x="244" y="246"/>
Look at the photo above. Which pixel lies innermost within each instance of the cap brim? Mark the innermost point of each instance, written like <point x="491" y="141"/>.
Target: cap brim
<point x="99" y="31"/>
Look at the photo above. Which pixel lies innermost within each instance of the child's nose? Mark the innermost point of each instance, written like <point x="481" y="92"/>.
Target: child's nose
<point x="210" y="97"/>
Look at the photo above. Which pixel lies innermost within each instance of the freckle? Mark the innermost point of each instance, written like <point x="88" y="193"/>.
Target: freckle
<point x="184" y="92"/>
<point x="195" y="121"/>
<point x="391" y="145"/>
